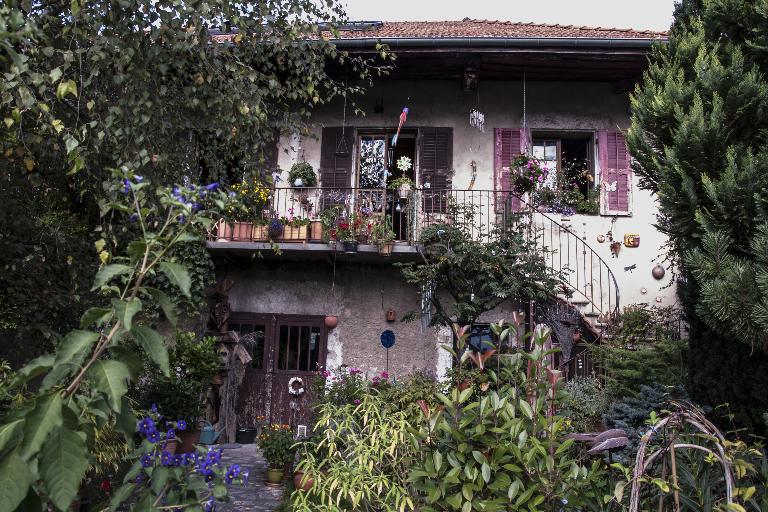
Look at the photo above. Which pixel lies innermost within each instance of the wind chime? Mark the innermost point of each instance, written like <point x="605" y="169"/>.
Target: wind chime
<point x="341" y="145"/>
<point x="476" y="117"/>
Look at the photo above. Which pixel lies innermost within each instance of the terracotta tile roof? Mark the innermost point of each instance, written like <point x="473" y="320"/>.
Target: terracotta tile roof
<point x="469" y="28"/>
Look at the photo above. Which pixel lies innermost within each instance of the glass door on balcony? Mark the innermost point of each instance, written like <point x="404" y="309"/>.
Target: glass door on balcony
<point x="378" y="166"/>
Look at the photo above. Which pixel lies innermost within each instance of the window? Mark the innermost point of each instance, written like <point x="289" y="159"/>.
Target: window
<point x="298" y="348"/>
<point x="569" y="187"/>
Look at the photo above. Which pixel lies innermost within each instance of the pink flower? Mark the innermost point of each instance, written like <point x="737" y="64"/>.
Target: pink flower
<point x="384" y="375"/>
<point x="357" y="401"/>
<point x="355" y="371"/>
<point x="326" y="374"/>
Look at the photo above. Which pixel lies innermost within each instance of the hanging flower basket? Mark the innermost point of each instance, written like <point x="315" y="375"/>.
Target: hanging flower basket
<point x="350" y="246"/>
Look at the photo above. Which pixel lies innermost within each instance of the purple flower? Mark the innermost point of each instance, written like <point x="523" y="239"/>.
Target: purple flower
<point x="181" y="425"/>
<point x="137" y="178"/>
<point x="171" y="434"/>
<point x="166" y="458"/>
<point x="153" y="437"/>
<point x="357" y="401"/>
<point x="153" y="408"/>
<point x="181" y="218"/>
<point x="212" y="186"/>
<point x="126" y="186"/>
<point x="179" y="460"/>
<point x="210" y="505"/>
<point x="134" y="217"/>
<point x="355" y="371"/>
<point x="139" y="478"/>
<point x="146" y="426"/>
<point x="146" y="460"/>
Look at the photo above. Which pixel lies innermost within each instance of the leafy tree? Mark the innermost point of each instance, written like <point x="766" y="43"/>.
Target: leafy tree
<point x="168" y="90"/>
<point x="699" y="132"/>
<point x="466" y="275"/>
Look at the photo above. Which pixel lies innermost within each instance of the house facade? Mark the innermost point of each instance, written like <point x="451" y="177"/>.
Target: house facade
<point x="477" y="94"/>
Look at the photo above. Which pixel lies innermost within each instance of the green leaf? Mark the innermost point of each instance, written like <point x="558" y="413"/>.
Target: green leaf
<point x="39" y="422"/>
<point x="126" y="310"/>
<point x="526" y="408"/>
<point x="126" y="420"/>
<point x="108" y="272"/>
<point x="97" y="316"/>
<point x="75" y="346"/>
<point x="178" y="275"/>
<point x="110" y="377"/>
<point x="152" y="343"/>
<point x="63" y="463"/>
<point x="16" y="477"/>
<point x="10" y="436"/>
<point x="130" y="358"/>
<point x="486" y="471"/>
<point x="122" y="494"/>
<point x="66" y="87"/>
<point x="34" y="368"/>
<point x="165" y="303"/>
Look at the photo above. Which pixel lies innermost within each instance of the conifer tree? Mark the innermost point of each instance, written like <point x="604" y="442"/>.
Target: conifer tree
<point x="699" y="132"/>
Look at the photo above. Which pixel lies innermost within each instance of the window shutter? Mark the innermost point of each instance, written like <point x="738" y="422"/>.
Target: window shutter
<point x="271" y="153"/>
<point x="615" y="174"/>
<point x="509" y="143"/>
<point x="335" y="167"/>
<point x="436" y="167"/>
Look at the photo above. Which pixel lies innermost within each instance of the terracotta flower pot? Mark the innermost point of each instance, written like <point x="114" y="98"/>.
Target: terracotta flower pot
<point x="242" y="231"/>
<point x="274" y="476"/>
<point x="187" y="440"/>
<point x="300" y="483"/>
<point x="260" y="233"/>
<point x="294" y="234"/>
<point x="331" y="321"/>
<point x="224" y="232"/>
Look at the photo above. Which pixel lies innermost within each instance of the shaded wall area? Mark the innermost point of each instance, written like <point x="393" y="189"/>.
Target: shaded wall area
<point x="358" y="294"/>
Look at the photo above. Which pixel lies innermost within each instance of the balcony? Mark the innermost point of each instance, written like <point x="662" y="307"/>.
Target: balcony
<point x="314" y="212"/>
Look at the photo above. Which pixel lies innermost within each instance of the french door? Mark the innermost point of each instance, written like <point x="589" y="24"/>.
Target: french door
<point x="287" y="352"/>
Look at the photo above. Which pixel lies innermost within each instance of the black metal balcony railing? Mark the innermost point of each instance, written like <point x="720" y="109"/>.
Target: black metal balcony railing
<point x="582" y="271"/>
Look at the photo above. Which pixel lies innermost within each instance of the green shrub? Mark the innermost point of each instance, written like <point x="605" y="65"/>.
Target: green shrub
<point x="361" y="456"/>
<point x="276" y="443"/>
<point x="585" y="403"/>
<point x="502" y="450"/>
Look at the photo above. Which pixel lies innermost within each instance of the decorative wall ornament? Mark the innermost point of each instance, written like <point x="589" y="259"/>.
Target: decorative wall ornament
<point x="659" y="299"/>
<point x="631" y="240"/>
<point x="615" y="248"/>
<point x="643" y="291"/>
<point x="600" y="238"/>
<point x="658" y="272"/>
<point x="296" y="386"/>
<point x="391" y="316"/>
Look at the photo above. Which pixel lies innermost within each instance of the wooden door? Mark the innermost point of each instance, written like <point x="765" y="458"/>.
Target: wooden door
<point x="282" y="347"/>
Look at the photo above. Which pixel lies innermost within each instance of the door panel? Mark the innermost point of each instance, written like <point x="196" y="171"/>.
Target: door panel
<point x="282" y="347"/>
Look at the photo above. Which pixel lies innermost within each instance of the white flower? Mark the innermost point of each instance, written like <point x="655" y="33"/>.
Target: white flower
<point x="404" y="163"/>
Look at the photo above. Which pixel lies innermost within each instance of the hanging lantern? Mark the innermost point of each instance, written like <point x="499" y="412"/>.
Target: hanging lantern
<point x="477" y="120"/>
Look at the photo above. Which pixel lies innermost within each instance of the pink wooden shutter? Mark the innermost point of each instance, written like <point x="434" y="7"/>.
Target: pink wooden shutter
<point x="509" y="143"/>
<point x="615" y="174"/>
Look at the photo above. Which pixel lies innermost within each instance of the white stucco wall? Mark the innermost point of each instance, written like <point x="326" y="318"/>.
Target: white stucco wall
<point x="549" y="106"/>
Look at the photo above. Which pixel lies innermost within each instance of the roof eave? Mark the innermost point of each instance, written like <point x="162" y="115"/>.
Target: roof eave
<point x="499" y="42"/>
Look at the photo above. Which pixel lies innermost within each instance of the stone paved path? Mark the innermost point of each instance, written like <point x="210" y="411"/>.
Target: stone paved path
<point x="257" y="496"/>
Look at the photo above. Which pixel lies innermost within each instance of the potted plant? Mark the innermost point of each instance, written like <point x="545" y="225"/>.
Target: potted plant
<point x="179" y="396"/>
<point x="530" y="172"/>
<point x="315" y="228"/>
<point x="351" y="232"/>
<point x="383" y="236"/>
<point x="276" y="442"/>
<point x="329" y="218"/>
<point x="302" y="175"/>
<point x="274" y="229"/>
<point x="260" y="228"/>
<point x="251" y="198"/>
<point x="402" y="185"/>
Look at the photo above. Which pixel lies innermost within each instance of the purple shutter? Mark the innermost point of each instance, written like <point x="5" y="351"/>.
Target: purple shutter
<point x="436" y="167"/>
<point x="509" y="143"/>
<point x="615" y="173"/>
<point x="336" y="157"/>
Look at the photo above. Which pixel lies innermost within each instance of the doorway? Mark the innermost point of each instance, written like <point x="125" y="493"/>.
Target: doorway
<point x="379" y="163"/>
<point x="286" y="351"/>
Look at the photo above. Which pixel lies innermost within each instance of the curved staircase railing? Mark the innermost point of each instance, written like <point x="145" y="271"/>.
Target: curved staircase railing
<point x="585" y="274"/>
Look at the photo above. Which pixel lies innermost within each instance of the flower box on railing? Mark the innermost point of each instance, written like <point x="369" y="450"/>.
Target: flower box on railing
<point x="294" y="234"/>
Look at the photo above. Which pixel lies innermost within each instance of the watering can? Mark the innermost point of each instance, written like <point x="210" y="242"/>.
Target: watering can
<point x="209" y="435"/>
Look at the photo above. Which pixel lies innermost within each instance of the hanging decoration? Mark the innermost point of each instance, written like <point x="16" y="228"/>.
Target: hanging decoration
<point x="631" y="240"/>
<point x="658" y="272"/>
<point x="403" y="117"/>
<point x="477" y="120"/>
<point x="387" y="341"/>
<point x="341" y="146"/>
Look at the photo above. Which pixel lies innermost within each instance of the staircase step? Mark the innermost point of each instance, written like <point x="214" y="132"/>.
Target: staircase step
<point x="593" y="314"/>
